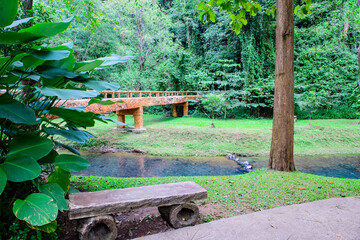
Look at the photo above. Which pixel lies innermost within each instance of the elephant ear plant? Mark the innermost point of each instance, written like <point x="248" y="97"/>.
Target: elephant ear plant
<point x="34" y="82"/>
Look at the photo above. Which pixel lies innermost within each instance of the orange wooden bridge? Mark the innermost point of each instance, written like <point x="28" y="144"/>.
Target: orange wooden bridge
<point x="133" y="103"/>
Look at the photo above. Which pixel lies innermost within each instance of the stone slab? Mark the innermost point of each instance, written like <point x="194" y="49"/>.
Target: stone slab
<point x="330" y="219"/>
<point x="89" y="204"/>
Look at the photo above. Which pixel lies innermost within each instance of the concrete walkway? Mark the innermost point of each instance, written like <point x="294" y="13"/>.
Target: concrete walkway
<point x="337" y="218"/>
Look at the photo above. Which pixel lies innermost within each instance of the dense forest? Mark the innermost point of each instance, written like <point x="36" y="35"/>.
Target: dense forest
<point x="173" y="50"/>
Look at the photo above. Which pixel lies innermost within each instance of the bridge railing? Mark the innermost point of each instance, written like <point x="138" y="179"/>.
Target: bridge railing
<point x="139" y="94"/>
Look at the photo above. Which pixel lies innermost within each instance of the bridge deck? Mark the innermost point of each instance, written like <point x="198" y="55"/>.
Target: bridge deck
<point x="134" y="101"/>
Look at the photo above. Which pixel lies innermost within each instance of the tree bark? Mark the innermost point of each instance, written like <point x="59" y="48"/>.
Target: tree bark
<point x="358" y="50"/>
<point x="26" y="7"/>
<point x="282" y="142"/>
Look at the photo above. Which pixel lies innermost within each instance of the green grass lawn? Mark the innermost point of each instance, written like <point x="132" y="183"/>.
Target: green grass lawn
<point x="192" y="136"/>
<point x="241" y="194"/>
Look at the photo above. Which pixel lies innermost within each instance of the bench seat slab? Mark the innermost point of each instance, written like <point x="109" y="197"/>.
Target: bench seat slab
<point x="90" y="204"/>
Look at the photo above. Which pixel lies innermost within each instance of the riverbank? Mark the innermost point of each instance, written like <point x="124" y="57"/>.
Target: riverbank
<point x="191" y="136"/>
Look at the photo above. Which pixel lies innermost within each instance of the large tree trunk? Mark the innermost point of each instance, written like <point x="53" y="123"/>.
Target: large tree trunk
<point x="358" y="50"/>
<point x="282" y="142"/>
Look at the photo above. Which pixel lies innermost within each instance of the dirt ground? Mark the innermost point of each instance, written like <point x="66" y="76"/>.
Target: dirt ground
<point x="138" y="222"/>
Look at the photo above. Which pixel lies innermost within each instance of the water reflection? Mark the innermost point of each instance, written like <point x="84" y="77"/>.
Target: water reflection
<point x="134" y="165"/>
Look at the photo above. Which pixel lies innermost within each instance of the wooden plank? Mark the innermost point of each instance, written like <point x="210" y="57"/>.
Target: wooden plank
<point x="89" y="204"/>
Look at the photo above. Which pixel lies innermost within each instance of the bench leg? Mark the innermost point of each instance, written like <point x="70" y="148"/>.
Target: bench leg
<point x="180" y="215"/>
<point x="100" y="227"/>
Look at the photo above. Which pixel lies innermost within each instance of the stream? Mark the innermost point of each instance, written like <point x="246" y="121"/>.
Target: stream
<point x="136" y="165"/>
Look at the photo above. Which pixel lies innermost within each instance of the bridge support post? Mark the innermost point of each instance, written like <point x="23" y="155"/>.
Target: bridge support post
<point x="136" y="112"/>
<point x="174" y="110"/>
<point x="121" y="118"/>
<point x="185" y="107"/>
<point x="138" y="118"/>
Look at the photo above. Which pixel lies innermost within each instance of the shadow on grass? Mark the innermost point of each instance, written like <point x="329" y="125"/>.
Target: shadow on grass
<point x="154" y="119"/>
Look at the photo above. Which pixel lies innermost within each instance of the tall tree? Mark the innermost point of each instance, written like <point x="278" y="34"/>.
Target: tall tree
<point x="282" y="142"/>
<point x="358" y="50"/>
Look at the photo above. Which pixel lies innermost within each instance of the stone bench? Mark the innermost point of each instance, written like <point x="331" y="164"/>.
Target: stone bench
<point x="94" y="210"/>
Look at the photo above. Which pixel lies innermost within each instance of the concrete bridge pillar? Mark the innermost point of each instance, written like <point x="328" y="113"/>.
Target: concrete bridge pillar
<point x="174" y="110"/>
<point x="185" y="109"/>
<point x="136" y="112"/>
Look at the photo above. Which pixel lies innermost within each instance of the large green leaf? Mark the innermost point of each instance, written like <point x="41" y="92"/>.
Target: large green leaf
<point x="50" y="158"/>
<point x="114" y="59"/>
<point x="33" y="146"/>
<point x="18" y="22"/>
<point x="21" y="168"/>
<point x="48" y="228"/>
<point x="19" y="37"/>
<point x="3" y="60"/>
<point x="71" y="134"/>
<point x="57" y="193"/>
<point x="66" y="63"/>
<point x="53" y="72"/>
<point x="69" y="148"/>
<point x="102" y="85"/>
<point x="8" y="10"/>
<point x="51" y="54"/>
<point x="71" y="162"/>
<point x="37" y="209"/>
<point x="3" y="180"/>
<point x="15" y="111"/>
<point x="77" y="118"/>
<point x="66" y="94"/>
<point x="30" y="62"/>
<point x="9" y="79"/>
<point x="61" y="177"/>
<point x="48" y="29"/>
<point x="87" y="66"/>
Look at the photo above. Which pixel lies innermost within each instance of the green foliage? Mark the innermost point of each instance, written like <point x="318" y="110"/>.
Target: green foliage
<point x="34" y="78"/>
<point x="18" y="230"/>
<point x="214" y="104"/>
<point x="8" y="10"/>
<point x="183" y="53"/>
<point x="37" y="209"/>
<point x="238" y="10"/>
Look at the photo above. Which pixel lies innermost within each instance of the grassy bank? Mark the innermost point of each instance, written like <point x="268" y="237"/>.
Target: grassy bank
<point x="241" y="194"/>
<point x="190" y="136"/>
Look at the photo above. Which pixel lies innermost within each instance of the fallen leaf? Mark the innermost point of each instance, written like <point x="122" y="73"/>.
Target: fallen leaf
<point x="331" y="182"/>
<point x="302" y="188"/>
<point x="273" y="225"/>
<point x="225" y="196"/>
<point x="214" y="178"/>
